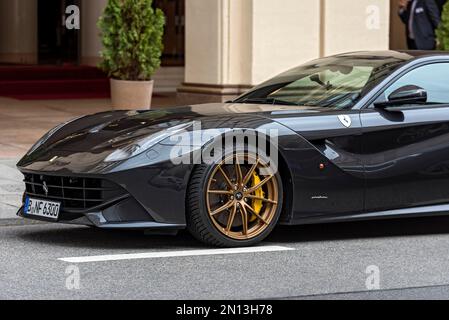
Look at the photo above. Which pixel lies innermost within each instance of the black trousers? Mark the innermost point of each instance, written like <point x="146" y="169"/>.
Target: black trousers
<point x="411" y="44"/>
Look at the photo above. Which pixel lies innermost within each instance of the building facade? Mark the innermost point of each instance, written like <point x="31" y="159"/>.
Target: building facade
<point x="214" y="49"/>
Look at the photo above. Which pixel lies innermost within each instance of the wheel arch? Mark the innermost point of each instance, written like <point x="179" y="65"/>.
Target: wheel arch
<point x="284" y="172"/>
<point x="287" y="186"/>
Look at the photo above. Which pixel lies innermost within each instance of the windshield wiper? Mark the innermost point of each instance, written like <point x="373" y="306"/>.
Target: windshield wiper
<point x="268" y="101"/>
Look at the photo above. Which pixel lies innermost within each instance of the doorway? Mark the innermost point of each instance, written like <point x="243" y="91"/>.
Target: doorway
<point x="174" y="37"/>
<point x="56" y="44"/>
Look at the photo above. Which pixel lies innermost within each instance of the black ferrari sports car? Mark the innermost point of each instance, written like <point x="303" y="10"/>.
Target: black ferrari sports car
<point x="354" y="136"/>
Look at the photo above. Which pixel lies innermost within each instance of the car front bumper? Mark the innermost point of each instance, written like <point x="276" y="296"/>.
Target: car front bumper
<point x="122" y="214"/>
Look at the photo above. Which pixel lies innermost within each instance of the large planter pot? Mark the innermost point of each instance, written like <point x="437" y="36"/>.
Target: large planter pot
<point x="129" y="95"/>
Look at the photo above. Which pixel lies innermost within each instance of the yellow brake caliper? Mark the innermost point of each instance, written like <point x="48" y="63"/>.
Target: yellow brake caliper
<point x="257" y="204"/>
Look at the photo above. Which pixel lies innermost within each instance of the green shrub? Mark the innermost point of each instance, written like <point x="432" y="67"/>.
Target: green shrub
<point x="443" y="30"/>
<point x="132" y="34"/>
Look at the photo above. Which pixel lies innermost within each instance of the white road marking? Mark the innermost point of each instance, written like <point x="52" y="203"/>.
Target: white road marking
<point x="171" y="254"/>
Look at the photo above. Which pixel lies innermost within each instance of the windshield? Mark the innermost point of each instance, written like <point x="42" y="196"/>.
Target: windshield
<point x="336" y="82"/>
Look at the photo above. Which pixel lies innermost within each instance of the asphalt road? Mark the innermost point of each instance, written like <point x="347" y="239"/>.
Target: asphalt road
<point x="319" y="262"/>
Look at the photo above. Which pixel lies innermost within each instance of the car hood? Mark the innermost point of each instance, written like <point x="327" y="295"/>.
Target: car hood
<point x="109" y="129"/>
<point x="92" y="138"/>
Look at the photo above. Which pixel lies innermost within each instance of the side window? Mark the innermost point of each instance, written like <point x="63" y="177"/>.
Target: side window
<point x="434" y="78"/>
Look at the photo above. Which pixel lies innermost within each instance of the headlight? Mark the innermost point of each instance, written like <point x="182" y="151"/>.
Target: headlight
<point x="48" y="135"/>
<point x="144" y="144"/>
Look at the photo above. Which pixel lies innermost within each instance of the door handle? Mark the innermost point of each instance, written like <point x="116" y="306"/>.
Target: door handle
<point x="392" y="115"/>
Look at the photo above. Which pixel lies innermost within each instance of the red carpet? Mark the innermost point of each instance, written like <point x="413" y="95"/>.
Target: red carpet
<point x="53" y="82"/>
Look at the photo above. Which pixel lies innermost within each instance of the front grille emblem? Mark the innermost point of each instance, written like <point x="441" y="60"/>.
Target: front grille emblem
<point x="45" y="187"/>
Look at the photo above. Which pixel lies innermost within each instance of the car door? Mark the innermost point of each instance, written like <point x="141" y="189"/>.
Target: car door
<point x="405" y="149"/>
<point x="332" y="139"/>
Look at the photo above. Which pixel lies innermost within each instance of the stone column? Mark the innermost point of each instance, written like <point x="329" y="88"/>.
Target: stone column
<point x="218" y="49"/>
<point x="285" y="34"/>
<point x="349" y="25"/>
<point x="91" y="10"/>
<point x="18" y="32"/>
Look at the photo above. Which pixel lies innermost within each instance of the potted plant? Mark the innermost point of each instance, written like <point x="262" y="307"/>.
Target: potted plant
<point x="132" y="34"/>
<point x="443" y="30"/>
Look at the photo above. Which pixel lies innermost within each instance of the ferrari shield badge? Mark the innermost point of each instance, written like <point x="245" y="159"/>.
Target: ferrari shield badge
<point x="345" y="120"/>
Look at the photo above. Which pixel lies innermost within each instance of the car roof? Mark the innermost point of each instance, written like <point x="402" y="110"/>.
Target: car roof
<point x="405" y="55"/>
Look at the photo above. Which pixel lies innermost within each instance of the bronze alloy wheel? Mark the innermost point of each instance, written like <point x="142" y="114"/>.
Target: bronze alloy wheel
<point x="242" y="197"/>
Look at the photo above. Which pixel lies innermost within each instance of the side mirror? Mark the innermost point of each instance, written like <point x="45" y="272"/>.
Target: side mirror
<point x="405" y="95"/>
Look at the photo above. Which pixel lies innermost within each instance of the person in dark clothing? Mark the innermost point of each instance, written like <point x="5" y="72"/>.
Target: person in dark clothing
<point x="422" y="18"/>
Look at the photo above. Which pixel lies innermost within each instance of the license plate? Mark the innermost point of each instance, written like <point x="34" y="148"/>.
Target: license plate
<point x="42" y="208"/>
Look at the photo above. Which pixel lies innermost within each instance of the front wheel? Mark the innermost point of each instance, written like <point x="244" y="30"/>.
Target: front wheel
<point x="233" y="203"/>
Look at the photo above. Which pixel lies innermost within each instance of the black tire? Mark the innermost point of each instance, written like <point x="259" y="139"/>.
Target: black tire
<point x="199" y="223"/>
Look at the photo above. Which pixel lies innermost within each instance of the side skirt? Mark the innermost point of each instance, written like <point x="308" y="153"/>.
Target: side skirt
<point x="426" y="211"/>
